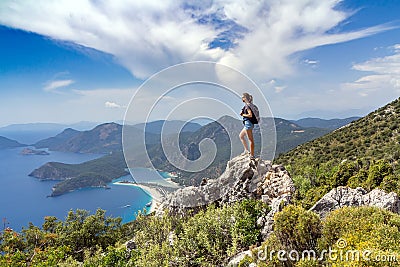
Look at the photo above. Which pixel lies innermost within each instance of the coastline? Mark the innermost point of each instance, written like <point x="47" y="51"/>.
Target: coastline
<point x="154" y="192"/>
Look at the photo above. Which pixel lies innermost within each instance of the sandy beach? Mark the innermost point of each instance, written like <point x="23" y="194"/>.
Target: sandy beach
<point x="155" y="192"/>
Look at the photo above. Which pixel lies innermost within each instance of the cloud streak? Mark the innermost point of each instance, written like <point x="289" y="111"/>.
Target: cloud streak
<point x="54" y="85"/>
<point x="384" y="74"/>
<point x="146" y="36"/>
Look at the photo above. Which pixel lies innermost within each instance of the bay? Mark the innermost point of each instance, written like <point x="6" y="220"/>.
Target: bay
<point x="23" y="199"/>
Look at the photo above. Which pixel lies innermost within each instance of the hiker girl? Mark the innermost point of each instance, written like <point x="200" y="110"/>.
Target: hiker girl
<point x="250" y="117"/>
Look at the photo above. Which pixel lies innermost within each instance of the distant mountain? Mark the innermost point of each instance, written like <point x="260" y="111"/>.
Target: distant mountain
<point x="31" y="133"/>
<point x="289" y="135"/>
<point x="375" y="136"/>
<point x="168" y="127"/>
<point x="106" y="138"/>
<point x="322" y="123"/>
<point x="336" y="114"/>
<point x="8" y="143"/>
<point x="39" y="126"/>
<point x="55" y="143"/>
<point x="102" y="139"/>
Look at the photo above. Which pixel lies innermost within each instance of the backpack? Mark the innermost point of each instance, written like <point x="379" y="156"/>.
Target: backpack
<point x="256" y="114"/>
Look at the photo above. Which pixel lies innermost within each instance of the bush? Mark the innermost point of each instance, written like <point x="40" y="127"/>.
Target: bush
<point x="296" y="228"/>
<point x="212" y="236"/>
<point x="80" y="233"/>
<point x="360" y="229"/>
<point x="347" y="232"/>
<point x="377" y="173"/>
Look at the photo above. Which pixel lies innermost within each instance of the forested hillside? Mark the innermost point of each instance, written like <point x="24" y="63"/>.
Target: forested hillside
<point x="364" y="153"/>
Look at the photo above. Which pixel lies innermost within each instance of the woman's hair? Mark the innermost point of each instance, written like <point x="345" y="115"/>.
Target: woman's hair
<point x="248" y="97"/>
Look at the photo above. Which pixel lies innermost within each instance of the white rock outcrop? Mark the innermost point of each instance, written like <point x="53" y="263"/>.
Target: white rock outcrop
<point x="344" y="197"/>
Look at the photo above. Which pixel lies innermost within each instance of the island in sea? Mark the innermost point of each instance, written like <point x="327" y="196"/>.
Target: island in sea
<point x="29" y="151"/>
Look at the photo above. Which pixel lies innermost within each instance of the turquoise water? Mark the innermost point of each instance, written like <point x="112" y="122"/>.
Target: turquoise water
<point x="23" y="198"/>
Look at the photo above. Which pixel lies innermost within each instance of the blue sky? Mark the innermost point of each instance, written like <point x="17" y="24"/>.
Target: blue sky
<point x="67" y="61"/>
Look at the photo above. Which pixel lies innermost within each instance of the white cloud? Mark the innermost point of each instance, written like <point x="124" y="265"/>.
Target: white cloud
<point x="146" y="36"/>
<point x="109" y="104"/>
<point x="279" y="89"/>
<point x="384" y="77"/>
<point x="311" y="62"/>
<point x="53" y="85"/>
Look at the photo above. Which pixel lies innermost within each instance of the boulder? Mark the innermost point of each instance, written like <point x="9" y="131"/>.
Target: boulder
<point x="344" y="196"/>
<point x="242" y="179"/>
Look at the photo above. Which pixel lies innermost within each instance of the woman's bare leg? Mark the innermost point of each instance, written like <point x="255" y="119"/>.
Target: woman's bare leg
<point x="243" y="139"/>
<point x="251" y="139"/>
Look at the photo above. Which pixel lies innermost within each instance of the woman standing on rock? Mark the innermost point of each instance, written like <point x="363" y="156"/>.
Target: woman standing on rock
<point x="250" y="117"/>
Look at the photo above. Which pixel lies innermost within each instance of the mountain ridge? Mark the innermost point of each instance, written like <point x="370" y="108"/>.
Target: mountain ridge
<point x="9" y="143"/>
<point x="324" y="123"/>
<point x="367" y="137"/>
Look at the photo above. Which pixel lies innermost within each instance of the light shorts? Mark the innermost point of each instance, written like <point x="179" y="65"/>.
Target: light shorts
<point x="248" y="125"/>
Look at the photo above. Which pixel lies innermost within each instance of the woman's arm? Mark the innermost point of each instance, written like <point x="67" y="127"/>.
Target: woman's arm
<point x="249" y="114"/>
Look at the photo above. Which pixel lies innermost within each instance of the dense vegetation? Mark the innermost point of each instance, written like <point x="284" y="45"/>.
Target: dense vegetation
<point x="96" y="172"/>
<point x="208" y="238"/>
<point x="365" y="153"/>
<point x="375" y="136"/>
<point x="361" y="236"/>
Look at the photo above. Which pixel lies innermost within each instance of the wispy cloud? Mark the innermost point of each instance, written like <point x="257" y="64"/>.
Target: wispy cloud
<point x="51" y="86"/>
<point x="279" y="89"/>
<point x="146" y="36"/>
<point x="383" y="77"/>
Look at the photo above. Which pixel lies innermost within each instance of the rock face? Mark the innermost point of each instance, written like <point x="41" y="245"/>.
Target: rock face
<point x="242" y="179"/>
<point x="345" y="196"/>
<point x="277" y="188"/>
<point x="238" y="181"/>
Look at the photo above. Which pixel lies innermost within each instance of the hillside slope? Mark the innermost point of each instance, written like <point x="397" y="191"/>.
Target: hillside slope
<point x="375" y="136"/>
<point x="364" y="153"/>
<point x="8" y="143"/>
<point x="93" y="173"/>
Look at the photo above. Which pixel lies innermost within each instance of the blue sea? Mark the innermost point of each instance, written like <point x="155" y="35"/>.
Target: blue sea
<point x="23" y="199"/>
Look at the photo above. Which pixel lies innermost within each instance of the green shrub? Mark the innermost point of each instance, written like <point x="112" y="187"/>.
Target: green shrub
<point x="57" y="241"/>
<point x="297" y="228"/>
<point x="212" y="236"/>
<point x="377" y="172"/>
<point x="361" y="229"/>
